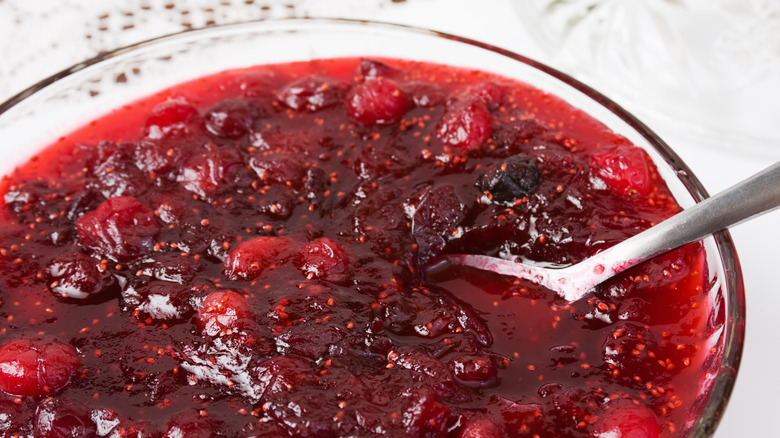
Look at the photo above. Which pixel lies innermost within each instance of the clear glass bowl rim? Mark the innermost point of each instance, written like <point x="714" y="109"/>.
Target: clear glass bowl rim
<point x="735" y="312"/>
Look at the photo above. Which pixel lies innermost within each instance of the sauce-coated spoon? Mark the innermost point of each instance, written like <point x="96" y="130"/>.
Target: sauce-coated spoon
<point x="757" y="194"/>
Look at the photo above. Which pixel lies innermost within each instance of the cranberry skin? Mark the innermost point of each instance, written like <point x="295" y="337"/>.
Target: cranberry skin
<point x="36" y="367"/>
<point x="190" y="424"/>
<point x="623" y="169"/>
<point x="231" y="118"/>
<point x="250" y="258"/>
<point x="325" y="259"/>
<point x="222" y="312"/>
<point x="426" y="416"/>
<point x="172" y="117"/>
<point x="377" y="101"/>
<point x="311" y="93"/>
<point x="213" y="170"/>
<point x="63" y="418"/>
<point x="121" y="228"/>
<point x="513" y="179"/>
<point x="480" y="427"/>
<point x="283" y="374"/>
<point x="371" y="68"/>
<point x="466" y="125"/>
<point x="488" y="92"/>
<point x="625" y="419"/>
<point x="472" y="369"/>
<point x="75" y="275"/>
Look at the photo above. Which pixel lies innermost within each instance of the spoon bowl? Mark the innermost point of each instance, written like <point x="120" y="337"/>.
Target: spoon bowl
<point x="756" y="195"/>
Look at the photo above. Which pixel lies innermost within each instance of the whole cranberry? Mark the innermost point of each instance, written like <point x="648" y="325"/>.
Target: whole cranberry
<point x="222" y="312"/>
<point x="466" y="125"/>
<point x="63" y="418"/>
<point x="76" y="275"/>
<point x="325" y="259"/>
<point x="33" y="367"/>
<point x="251" y="257"/>
<point x="121" y="228"/>
<point x="376" y="102"/>
<point x="172" y="117"/>
<point x="623" y="169"/>
<point x="231" y="118"/>
<point x="311" y="93"/>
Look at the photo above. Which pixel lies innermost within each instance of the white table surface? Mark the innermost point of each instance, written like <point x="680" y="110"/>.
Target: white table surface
<point x="754" y="403"/>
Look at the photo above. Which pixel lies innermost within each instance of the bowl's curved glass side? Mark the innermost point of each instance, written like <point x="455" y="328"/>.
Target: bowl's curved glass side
<point x="87" y="91"/>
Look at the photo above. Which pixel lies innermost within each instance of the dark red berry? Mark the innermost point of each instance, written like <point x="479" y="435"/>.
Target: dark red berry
<point x="212" y="170"/>
<point x="279" y="169"/>
<point x="377" y="101"/>
<point x="466" y="125"/>
<point x="36" y="367"/>
<point x="425" y="94"/>
<point x="474" y="369"/>
<point x="325" y="259"/>
<point x="222" y="312"/>
<point x="623" y="169"/>
<point x="489" y="92"/>
<point x="76" y="275"/>
<point x="231" y="118"/>
<point x="172" y="117"/>
<point x="311" y="93"/>
<point x="371" y="68"/>
<point x="121" y="228"/>
<point x="426" y="416"/>
<point x="251" y="257"/>
<point x="190" y="424"/>
<point x="481" y="427"/>
<point x="283" y="374"/>
<point x="63" y="418"/>
<point x="511" y="180"/>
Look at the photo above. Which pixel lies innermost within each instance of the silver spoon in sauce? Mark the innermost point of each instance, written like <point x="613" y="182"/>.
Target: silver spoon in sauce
<point x="758" y="194"/>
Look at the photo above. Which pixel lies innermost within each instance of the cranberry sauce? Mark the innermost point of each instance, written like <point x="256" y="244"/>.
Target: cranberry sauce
<point x="243" y="255"/>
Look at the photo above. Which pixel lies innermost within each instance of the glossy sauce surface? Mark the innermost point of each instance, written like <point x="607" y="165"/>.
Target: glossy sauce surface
<point x="243" y="255"/>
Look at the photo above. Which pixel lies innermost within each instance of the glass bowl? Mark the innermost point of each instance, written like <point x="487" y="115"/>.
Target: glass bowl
<point x="37" y="116"/>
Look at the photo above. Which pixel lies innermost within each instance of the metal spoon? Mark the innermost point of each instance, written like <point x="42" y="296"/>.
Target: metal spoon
<point x="757" y="194"/>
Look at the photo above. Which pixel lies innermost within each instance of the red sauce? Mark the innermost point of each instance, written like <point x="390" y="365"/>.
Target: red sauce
<point x="244" y="255"/>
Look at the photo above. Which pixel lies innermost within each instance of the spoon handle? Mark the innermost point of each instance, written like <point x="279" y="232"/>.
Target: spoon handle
<point x="755" y="195"/>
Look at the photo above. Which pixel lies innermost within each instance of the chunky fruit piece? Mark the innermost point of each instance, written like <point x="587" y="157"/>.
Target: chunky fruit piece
<point x="76" y="275"/>
<point x="325" y="259"/>
<point x="190" y="424"/>
<point x="32" y="367"/>
<point x="481" y="427"/>
<point x="513" y="179"/>
<point x="622" y="168"/>
<point x="212" y="170"/>
<point x="376" y="102"/>
<point x="627" y="419"/>
<point x="121" y="228"/>
<point x="61" y="417"/>
<point x="231" y="118"/>
<point x="282" y="374"/>
<point x="311" y="93"/>
<point x="474" y="369"/>
<point x="466" y="125"/>
<point x="172" y="117"/>
<point x="371" y="68"/>
<point x="222" y="312"/>
<point x="282" y="169"/>
<point x="251" y="257"/>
